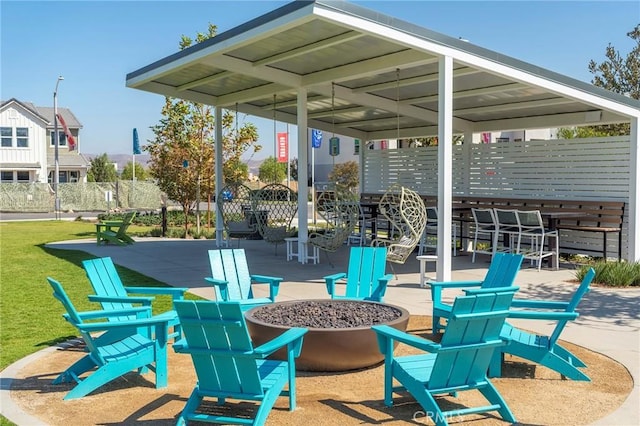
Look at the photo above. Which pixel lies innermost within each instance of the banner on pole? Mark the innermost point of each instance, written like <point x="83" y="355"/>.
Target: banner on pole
<point x="136" y="143"/>
<point x="316" y="138"/>
<point x="283" y="147"/>
<point x="71" y="141"/>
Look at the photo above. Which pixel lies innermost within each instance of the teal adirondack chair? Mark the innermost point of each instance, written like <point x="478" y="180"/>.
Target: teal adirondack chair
<point x="232" y="281"/>
<point x="135" y="349"/>
<point x="115" y="231"/>
<point x="541" y="349"/>
<point x="365" y="277"/>
<point x="501" y="273"/>
<point x="458" y="363"/>
<point x="228" y="366"/>
<point x="111" y="293"/>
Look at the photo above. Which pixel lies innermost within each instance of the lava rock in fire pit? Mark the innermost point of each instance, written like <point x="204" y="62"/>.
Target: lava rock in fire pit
<point x="327" y="314"/>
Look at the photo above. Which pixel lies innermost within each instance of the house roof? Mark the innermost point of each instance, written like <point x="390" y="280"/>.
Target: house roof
<point x="46" y="113"/>
<point x="372" y="76"/>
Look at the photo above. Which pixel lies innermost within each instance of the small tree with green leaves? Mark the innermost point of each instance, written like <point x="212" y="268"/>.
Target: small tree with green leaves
<point x="293" y="169"/>
<point x="271" y="171"/>
<point x="102" y="169"/>
<point x="346" y="176"/>
<point x="183" y="151"/>
<point x="621" y="75"/>
<point x="127" y="172"/>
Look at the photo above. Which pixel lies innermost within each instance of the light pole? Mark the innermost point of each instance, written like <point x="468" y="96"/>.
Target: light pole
<point x="56" y="142"/>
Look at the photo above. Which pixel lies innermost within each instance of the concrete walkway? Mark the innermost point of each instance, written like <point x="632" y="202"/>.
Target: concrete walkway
<point x="609" y="321"/>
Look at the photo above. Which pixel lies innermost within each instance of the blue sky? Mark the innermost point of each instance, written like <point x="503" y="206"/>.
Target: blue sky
<point x="94" y="44"/>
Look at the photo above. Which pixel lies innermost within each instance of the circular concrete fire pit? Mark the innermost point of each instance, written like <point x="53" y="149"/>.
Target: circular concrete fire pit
<point x="339" y="337"/>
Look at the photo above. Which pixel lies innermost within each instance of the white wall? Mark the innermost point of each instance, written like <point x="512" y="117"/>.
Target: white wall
<point x="16" y="116"/>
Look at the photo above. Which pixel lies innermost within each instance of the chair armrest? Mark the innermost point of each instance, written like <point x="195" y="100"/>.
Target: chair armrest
<point x="538" y="304"/>
<point x="113" y="313"/>
<point x="181" y="346"/>
<point x="289" y="336"/>
<point x="274" y="284"/>
<point x="455" y="284"/>
<point x="146" y="301"/>
<point x="99" y="326"/>
<point x="387" y="332"/>
<point x="222" y="284"/>
<point x="543" y="315"/>
<point x="177" y="293"/>
<point x="330" y="281"/>
<point x="381" y="288"/>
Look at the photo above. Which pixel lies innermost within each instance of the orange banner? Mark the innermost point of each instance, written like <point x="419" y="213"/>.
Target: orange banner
<point x="71" y="142"/>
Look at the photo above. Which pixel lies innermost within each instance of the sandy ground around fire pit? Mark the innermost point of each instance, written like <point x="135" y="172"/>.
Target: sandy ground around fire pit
<point x="536" y="395"/>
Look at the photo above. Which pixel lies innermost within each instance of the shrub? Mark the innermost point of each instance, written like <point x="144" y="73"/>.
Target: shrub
<point x="614" y="274"/>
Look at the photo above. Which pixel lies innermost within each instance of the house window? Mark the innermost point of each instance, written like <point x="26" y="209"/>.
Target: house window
<point x="502" y="139"/>
<point x="64" y="176"/>
<point x="6" y="176"/>
<point x="23" y="176"/>
<point x="74" y="176"/>
<point x="22" y="134"/>
<point x="6" y="134"/>
<point x="62" y="138"/>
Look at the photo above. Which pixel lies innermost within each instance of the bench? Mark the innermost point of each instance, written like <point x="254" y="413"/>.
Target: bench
<point x="605" y="217"/>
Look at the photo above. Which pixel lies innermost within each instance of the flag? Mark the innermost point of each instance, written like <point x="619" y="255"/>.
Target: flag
<point x="316" y="138"/>
<point x="283" y="147"/>
<point x="136" y="143"/>
<point x="71" y="142"/>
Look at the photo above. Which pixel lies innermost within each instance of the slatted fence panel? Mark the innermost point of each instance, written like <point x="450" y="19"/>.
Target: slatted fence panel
<point x="575" y="169"/>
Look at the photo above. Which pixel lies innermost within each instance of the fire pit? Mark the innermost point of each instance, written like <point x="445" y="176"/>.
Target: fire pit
<point x="339" y="337"/>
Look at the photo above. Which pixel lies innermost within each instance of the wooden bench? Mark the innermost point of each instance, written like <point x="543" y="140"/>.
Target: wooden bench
<point x="605" y="217"/>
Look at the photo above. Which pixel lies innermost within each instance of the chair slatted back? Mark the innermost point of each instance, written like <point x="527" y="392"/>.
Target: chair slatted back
<point x="366" y="266"/>
<point x="470" y="338"/>
<point x="573" y="304"/>
<point x="220" y="347"/>
<point x="105" y="280"/>
<point x="503" y="270"/>
<point x="127" y="219"/>
<point x="231" y="265"/>
<point x="74" y="318"/>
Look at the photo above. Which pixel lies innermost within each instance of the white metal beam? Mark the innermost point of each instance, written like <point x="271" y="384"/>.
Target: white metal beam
<point x="445" y="167"/>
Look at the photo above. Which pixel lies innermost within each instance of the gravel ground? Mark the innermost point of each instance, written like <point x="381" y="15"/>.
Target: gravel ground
<point x="327" y="314"/>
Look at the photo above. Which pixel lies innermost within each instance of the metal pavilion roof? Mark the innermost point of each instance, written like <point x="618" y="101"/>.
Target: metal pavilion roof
<point x="371" y="76"/>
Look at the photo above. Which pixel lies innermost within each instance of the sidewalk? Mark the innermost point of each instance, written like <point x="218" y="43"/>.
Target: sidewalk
<point x="609" y="321"/>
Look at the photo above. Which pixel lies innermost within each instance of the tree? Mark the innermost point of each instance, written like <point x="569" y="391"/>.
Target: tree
<point x="621" y="75"/>
<point x="235" y="171"/>
<point x="101" y="169"/>
<point x="271" y="171"/>
<point x="127" y="172"/>
<point x="183" y="151"/>
<point x="346" y="176"/>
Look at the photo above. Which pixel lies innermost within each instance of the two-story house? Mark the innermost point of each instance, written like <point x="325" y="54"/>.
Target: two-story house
<point x="27" y="149"/>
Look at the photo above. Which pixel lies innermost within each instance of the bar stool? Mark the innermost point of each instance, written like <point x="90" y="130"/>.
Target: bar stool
<point x="423" y="267"/>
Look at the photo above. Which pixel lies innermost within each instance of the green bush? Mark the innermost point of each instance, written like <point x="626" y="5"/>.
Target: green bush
<point x="614" y="274"/>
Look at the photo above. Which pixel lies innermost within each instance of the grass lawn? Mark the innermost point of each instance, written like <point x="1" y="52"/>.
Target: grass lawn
<point x="30" y="318"/>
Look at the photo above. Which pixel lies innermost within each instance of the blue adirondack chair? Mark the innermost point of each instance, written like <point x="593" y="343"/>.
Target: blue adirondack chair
<point x="142" y="345"/>
<point x="111" y="293"/>
<point x="541" y="349"/>
<point x="228" y="366"/>
<point x="501" y="273"/>
<point x="365" y="277"/>
<point x="458" y="363"/>
<point x="232" y="281"/>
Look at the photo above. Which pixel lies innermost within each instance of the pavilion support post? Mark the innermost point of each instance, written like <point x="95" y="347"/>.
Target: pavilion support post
<point x="303" y="161"/>
<point x="634" y="192"/>
<point x="445" y="162"/>
<point x="218" y="175"/>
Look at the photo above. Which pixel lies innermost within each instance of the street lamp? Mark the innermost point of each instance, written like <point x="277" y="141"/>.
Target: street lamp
<point x="56" y="142"/>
